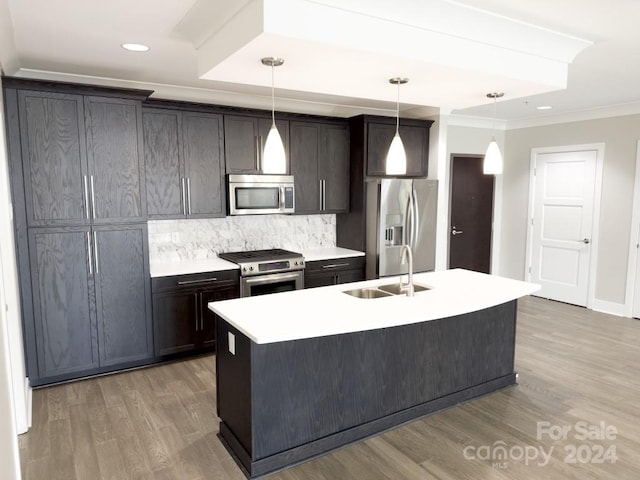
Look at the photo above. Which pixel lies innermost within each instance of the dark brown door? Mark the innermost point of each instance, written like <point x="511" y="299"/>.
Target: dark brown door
<point x="471" y="215"/>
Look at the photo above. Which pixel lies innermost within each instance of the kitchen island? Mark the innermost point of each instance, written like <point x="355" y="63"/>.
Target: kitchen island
<point x="302" y="373"/>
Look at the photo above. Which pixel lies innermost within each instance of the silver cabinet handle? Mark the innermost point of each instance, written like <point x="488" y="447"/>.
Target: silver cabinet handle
<point x="89" y="255"/>
<point x="258" y="155"/>
<point x="189" y="195"/>
<point x="93" y="199"/>
<point x="86" y="197"/>
<point x="203" y="280"/>
<point x="195" y="297"/>
<point x="324" y="194"/>
<point x="282" y="202"/>
<point x="95" y="250"/>
<point x="201" y="313"/>
<point x="455" y="232"/>
<point x="184" y="198"/>
<point x="321" y="195"/>
<point x="336" y="265"/>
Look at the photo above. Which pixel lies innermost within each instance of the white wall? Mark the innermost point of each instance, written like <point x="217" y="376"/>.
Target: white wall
<point x="620" y="135"/>
<point x="12" y="378"/>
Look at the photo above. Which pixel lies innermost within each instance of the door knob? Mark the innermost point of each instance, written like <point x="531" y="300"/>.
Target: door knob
<point x="585" y="240"/>
<point x="456" y="232"/>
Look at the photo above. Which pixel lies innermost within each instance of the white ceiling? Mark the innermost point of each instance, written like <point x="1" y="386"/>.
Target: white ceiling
<point x="79" y="40"/>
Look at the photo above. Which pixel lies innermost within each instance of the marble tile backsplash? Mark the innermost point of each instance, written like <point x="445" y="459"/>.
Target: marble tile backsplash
<point x="175" y="240"/>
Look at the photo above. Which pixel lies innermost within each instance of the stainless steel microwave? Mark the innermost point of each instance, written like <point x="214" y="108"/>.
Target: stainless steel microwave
<point x="260" y="194"/>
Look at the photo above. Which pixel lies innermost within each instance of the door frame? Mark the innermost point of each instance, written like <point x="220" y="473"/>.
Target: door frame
<point x="634" y="239"/>
<point x="597" y="197"/>
<point x="496" y="213"/>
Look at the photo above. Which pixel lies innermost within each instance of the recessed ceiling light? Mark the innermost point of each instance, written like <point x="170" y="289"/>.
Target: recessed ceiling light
<point x="135" y="47"/>
<point x="545" y="107"/>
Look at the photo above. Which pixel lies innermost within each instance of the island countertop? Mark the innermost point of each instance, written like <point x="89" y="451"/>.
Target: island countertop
<point x="323" y="311"/>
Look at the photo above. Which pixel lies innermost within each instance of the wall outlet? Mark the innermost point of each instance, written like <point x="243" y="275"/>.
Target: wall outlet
<point x="232" y="343"/>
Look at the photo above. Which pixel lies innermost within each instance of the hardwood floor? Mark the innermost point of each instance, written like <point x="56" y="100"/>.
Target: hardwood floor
<point x="574" y="366"/>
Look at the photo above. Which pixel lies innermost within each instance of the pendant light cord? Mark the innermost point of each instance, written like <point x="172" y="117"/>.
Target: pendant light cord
<point x="273" y="97"/>
<point x="493" y="120"/>
<point x="398" y="111"/>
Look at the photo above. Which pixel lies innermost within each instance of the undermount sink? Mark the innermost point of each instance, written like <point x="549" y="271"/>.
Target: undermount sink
<point x="382" y="291"/>
<point x="367" y="293"/>
<point x="397" y="289"/>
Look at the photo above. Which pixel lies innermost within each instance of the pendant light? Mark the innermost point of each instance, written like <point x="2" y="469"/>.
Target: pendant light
<point x="493" y="158"/>
<point x="396" y="156"/>
<point x="273" y="157"/>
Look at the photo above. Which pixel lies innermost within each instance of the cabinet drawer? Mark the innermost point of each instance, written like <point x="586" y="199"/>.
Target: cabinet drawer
<point x="335" y="264"/>
<point x="195" y="280"/>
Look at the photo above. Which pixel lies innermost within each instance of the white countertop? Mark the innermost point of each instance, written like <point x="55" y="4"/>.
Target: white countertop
<point x="183" y="267"/>
<point x="323" y="311"/>
<point x="312" y="255"/>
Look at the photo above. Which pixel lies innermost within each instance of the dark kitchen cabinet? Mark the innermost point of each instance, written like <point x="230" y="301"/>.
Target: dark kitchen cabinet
<point x="183" y="163"/>
<point x="66" y="340"/>
<point x="320" y="166"/>
<point x="244" y="138"/>
<point x="182" y="321"/>
<point x="379" y="132"/>
<point x="81" y="159"/>
<point x="91" y="297"/>
<point x="54" y="158"/>
<point x="123" y="294"/>
<point x="334" y="271"/>
<point x="114" y="155"/>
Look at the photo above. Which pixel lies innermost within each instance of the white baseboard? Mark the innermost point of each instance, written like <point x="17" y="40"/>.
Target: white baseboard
<point x="611" y="308"/>
<point x="24" y="410"/>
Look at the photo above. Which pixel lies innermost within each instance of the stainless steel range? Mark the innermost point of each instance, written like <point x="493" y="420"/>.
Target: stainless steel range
<point x="268" y="271"/>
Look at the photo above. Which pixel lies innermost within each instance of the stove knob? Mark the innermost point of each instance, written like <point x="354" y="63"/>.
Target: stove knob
<point x="251" y="268"/>
<point x="296" y="263"/>
<point x="244" y="269"/>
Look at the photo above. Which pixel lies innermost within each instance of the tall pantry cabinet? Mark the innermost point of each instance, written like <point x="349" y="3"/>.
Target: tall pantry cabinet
<point x="81" y="229"/>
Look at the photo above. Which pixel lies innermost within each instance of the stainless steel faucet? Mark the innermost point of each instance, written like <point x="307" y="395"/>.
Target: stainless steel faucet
<point x="407" y="254"/>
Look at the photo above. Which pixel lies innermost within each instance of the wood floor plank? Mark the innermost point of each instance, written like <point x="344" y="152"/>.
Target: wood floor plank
<point x="160" y="422"/>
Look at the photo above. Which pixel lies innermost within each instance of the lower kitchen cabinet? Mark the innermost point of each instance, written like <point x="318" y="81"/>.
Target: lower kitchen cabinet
<point x="335" y="271"/>
<point x="91" y="300"/>
<point x="182" y="322"/>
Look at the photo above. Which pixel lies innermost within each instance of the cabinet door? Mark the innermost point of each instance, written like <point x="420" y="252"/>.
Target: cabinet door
<point x="54" y="158"/>
<point x="176" y="320"/>
<point x="312" y="280"/>
<point x="162" y="130"/>
<point x="333" y="167"/>
<point x="65" y="329"/>
<point x="264" y="126"/>
<point x="349" y="276"/>
<point x="202" y="139"/>
<point x="207" y="330"/>
<point x="241" y="144"/>
<point x="416" y="144"/>
<point x="123" y="293"/>
<point x="304" y="142"/>
<point x="114" y="152"/>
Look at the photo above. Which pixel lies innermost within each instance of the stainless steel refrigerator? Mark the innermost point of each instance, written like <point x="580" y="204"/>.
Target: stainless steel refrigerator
<point x="400" y="212"/>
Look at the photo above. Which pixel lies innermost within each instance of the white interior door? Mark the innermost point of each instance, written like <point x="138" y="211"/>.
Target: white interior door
<point x="562" y="224"/>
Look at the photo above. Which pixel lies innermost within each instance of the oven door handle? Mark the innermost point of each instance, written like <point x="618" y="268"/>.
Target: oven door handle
<point x="271" y="278"/>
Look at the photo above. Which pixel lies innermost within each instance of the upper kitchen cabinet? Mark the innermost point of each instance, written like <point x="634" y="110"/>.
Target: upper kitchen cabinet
<point x="54" y="157"/>
<point x="81" y="159"/>
<point x="320" y="166"/>
<point x="379" y="132"/>
<point x="244" y="138"/>
<point x="114" y="153"/>
<point x="183" y="162"/>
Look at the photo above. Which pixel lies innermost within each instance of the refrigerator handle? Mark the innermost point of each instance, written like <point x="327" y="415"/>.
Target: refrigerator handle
<point x="415" y="218"/>
<point x="407" y="234"/>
